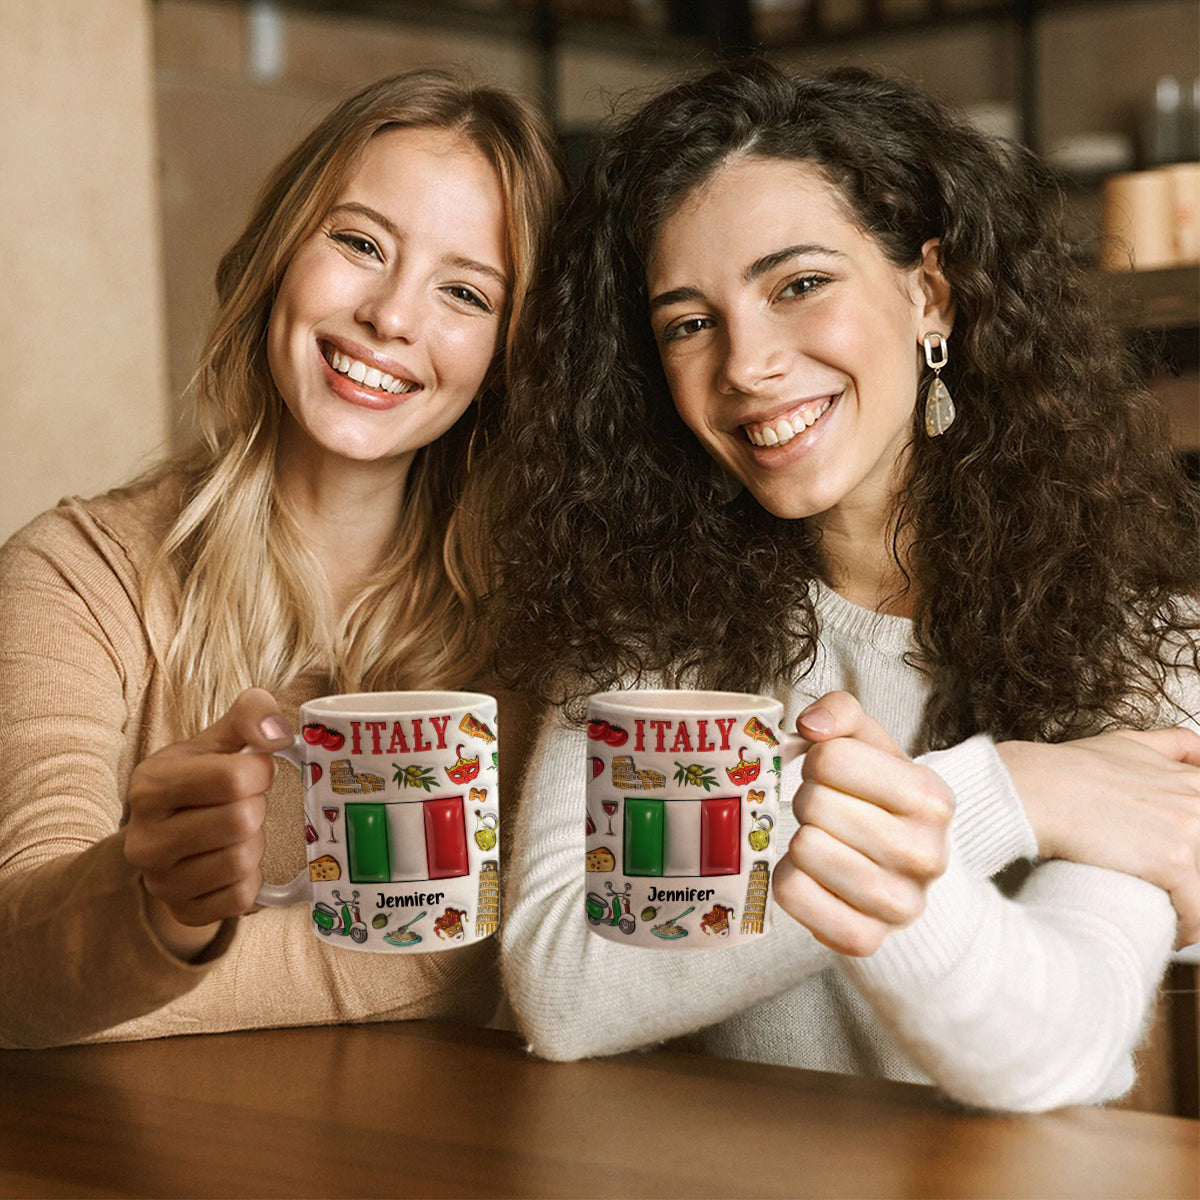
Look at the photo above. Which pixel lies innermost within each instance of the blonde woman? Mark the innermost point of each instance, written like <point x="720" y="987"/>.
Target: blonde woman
<point x="324" y="535"/>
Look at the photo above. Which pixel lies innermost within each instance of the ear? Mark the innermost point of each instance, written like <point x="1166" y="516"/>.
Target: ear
<point x="938" y="315"/>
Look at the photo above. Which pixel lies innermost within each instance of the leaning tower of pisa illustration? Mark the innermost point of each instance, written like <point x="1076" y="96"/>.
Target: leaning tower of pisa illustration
<point x="487" y="909"/>
<point x="755" y="908"/>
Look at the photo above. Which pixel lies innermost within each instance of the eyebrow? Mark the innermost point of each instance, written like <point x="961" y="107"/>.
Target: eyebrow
<point x="768" y="262"/>
<point x="756" y="270"/>
<point x="675" y="296"/>
<point x="459" y="261"/>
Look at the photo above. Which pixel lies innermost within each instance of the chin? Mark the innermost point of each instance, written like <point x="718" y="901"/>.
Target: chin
<point x="784" y="506"/>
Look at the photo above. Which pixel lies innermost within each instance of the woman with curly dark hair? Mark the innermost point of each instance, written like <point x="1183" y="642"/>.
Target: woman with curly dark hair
<point x="817" y="404"/>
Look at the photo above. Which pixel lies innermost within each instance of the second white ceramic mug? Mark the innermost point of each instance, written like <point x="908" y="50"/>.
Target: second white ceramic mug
<point x="683" y="796"/>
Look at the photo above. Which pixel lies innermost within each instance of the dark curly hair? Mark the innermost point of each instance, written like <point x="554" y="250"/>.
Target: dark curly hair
<point x="1053" y="555"/>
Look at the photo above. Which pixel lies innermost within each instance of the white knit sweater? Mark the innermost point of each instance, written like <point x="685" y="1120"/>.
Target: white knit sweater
<point x="1026" y="1003"/>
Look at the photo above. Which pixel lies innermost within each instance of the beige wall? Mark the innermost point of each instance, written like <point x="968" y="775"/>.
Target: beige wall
<point x="81" y="306"/>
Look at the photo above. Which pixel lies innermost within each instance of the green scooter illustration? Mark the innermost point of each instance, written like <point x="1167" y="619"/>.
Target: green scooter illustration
<point x="346" y="921"/>
<point x="612" y="909"/>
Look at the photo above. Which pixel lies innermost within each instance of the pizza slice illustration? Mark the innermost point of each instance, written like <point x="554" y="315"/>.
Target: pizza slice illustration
<point x="474" y="727"/>
<point x="761" y="732"/>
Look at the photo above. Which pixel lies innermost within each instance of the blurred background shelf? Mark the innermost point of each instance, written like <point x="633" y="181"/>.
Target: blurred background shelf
<point x="683" y="32"/>
<point x="1166" y="299"/>
<point x="1161" y="312"/>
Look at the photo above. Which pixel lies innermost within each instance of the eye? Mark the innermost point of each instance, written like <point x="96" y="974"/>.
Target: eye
<point x="358" y="244"/>
<point x="686" y="327"/>
<point x="802" y="286"/>
<point x="468" y="295"/>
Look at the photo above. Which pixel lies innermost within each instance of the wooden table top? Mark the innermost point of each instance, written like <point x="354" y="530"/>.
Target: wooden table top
<point x="425" y="1109"/>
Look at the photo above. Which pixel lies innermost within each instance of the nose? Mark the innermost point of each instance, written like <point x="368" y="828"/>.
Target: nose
<point x="754" y="355"/>
<point x="394" y="308"/>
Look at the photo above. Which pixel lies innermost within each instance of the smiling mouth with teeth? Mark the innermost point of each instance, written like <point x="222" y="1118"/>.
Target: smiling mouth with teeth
<point x="781" y="430"/>
<point x="370" y="377"/>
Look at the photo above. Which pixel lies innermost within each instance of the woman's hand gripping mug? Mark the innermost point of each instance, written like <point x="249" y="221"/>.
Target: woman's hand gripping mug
<point x="401" y="808"/>
<point x="682" y="796"/>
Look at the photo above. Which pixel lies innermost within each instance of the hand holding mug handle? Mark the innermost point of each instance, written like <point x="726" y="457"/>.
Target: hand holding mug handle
<point x="196" y="811"/>
<point x="295" y="891"/>
<point x="874" y="831"/>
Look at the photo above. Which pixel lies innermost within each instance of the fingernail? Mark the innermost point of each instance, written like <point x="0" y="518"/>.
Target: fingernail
<point x="817" y="719"/>
<point x="275" y="728"/>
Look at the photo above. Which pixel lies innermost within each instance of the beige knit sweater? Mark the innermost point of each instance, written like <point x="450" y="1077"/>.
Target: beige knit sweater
<point x="81" y="703"/>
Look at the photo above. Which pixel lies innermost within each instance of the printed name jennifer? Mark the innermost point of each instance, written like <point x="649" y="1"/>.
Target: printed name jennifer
<point x="684" y="894"/>
<point x="408" y="901"/>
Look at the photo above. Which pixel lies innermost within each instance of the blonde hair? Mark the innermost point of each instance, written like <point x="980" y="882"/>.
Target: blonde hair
<point x="254" y="606"/>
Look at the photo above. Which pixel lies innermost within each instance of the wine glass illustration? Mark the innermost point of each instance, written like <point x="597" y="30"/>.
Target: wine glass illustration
<point x="332" y="812"/>
<point x="610" y="808"/>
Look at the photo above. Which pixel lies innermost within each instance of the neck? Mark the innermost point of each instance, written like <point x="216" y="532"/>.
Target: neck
<point x="347" y="512"/>
<point x="862" y="558"/>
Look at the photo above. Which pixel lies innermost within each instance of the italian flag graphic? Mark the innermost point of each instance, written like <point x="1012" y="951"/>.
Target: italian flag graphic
<point x="683" y="837"/>
<point x="412" y="839"/>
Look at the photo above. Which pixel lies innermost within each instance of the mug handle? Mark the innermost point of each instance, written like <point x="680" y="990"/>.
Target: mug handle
<point x="791" y="747"/>
<point x="280" y="895"/>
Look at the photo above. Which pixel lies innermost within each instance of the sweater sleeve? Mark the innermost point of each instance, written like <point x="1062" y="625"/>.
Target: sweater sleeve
<point x="1022" y="1004"/>
<point x="79" y="952"/>
<point x="574" y="994"/>
<point x="990" y="829"/>
<point x="1025" y="1004"/>
<point x="1037" y="1001"/>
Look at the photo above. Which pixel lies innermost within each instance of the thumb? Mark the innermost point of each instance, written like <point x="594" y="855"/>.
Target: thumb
<point x="839" y="714"/>
<point x="252" y="722"/>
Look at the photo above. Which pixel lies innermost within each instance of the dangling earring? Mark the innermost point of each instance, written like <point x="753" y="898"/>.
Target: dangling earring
<point x="939" y="407"/>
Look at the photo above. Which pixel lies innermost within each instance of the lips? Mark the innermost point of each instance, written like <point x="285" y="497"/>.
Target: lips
<point x="781" y="429"/>
<point x="388" y="382"/>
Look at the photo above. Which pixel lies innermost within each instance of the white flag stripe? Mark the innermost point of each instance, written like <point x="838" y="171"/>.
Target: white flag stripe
<point x="681" y="843"/>
<point x="406" y="841"/>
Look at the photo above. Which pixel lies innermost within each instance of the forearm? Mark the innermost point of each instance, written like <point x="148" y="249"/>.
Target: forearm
<point x="80" y="954"/>
<point x="990" y="828"/>
<point x="276" y="972"/>
<point x="1025" y="1004"/>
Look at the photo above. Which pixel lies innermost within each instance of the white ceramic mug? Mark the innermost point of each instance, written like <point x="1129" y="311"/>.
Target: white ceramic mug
<point x="401" y="808"/>
<point x="682" y="799"/>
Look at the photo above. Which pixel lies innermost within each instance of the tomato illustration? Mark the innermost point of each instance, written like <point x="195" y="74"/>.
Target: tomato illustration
<point x="616" y="736"/>
<point x="598" y="730"/>
<point x="465" y="769"/>
<point x="333" y="740"/>
<point x="745" y="771"/>
<point x="314" y="735"/>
